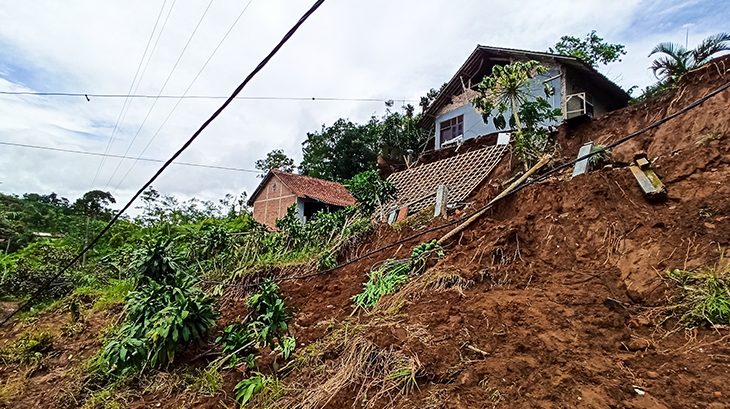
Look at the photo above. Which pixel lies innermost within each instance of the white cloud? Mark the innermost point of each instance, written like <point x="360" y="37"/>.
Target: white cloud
<point x="376" y="49"/>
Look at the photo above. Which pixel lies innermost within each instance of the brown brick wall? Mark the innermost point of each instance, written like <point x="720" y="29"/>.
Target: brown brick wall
<point x="273" y="201"/>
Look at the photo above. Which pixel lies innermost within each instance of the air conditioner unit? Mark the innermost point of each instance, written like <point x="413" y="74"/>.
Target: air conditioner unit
<point x="578" y="104"/>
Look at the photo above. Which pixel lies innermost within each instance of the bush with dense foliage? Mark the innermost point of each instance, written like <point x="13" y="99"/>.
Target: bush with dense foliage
<point x="370" y="190"/>
<point x="165" y="312"/>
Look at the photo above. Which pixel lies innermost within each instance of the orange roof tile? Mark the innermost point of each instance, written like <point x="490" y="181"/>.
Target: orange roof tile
<point x="324" y="191"/>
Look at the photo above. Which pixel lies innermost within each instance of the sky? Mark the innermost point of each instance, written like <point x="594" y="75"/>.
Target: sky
<point x="375" y="49"/>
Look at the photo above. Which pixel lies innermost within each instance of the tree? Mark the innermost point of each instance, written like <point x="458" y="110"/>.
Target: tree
<point x="591" y="49"/>
<point x="94" y="204"/>
<point x="340" y="151"/>
<point x="678" y="60"/>
<point x="430" y="96"/>
<point x="400" y="136"/>
<point x="507" y="89"/>
<point x="275" y="159"/>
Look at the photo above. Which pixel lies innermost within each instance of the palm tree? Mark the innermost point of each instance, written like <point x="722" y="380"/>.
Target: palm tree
<point x="678" y="60"/>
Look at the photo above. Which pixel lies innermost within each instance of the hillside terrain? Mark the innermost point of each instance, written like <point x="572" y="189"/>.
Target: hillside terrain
<point x="558" y="297"/>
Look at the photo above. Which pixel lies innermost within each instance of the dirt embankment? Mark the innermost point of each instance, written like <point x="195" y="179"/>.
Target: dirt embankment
<point x="568" y="284"/>
<point x="562" y="286"/>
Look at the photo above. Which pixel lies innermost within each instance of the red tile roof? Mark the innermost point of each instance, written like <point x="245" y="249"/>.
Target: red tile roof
<point x="324" y="191"/>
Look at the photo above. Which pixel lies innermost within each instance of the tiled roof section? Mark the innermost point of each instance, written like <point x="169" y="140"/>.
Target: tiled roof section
<point x="321" y="190"/>
<point x="416" y="187"/>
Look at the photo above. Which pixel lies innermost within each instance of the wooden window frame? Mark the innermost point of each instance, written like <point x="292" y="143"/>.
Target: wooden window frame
<point x="454" y="127"/>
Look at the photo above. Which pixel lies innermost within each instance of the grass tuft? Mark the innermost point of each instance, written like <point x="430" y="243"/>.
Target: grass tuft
<point x="702" y="297"/>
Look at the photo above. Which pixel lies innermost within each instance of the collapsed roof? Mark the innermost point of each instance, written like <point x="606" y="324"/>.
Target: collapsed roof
<point x="461" y="174"/>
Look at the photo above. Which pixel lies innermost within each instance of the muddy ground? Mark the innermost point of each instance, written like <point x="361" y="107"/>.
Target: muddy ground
<point x="566" y="299"/>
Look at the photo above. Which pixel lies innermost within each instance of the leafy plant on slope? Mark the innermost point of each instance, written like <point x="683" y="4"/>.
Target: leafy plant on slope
<point x="391" y="274"/>
<point x="257" y="385"/>
<point x="702" y="297"/>
<point x="166" y="311"/>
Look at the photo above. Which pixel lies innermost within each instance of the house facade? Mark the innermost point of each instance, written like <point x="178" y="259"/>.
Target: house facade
<point x="569" y="84"/>
<point x="279" y="190"/>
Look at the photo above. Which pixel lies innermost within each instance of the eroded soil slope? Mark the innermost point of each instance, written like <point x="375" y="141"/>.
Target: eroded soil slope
<point x="555" y="299"/>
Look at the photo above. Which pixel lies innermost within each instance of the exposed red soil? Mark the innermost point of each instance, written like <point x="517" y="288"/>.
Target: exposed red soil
<point x="567" y="283"/>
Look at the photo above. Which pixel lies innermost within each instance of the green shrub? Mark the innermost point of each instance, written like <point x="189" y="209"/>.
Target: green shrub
<point x="370" y="190"/>
<point x="34" y="266"/>
<point x="703" y="297"/>
<point x="391" y="274"/>
<point x="258" y="384"/>
<point x="30" y="348"/>
<point x="161" y="317"/>
<point x="166" y="311"/>
<point x="237" y="341"/>
<point x="271" y="316"/>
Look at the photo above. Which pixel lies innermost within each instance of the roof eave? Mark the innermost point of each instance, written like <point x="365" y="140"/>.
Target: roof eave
<point x="261" y="185"/>
<point x="430" y="114"/>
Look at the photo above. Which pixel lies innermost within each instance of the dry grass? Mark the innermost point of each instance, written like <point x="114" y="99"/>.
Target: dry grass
<point x="10" y="388"/>
<point x="434" y="279"/>
<point x="352" y="363"/>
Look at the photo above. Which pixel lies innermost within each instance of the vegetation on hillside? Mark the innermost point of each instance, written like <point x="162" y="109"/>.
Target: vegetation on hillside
<point x="674" y="60"/>
<point x="342" y="150"/>
<point x="507" y="91"/>
<point x="592" y="49"/>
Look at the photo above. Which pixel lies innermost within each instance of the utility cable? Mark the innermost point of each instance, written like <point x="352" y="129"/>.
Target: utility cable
<point x="125" y="105"/>
<point x="168" y="96"/>
<point x="109" y="155"/>
<point x="154" y="177"/>
<point x="190" y="85"/>
<point x="525" y="184"/>
<point x="154" y="102"/>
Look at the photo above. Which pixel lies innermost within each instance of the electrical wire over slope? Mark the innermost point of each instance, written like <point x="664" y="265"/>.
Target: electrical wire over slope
<point x="154" y="177"/>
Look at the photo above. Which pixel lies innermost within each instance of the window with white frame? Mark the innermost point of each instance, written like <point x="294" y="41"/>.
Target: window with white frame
<point x="451" y="128"/>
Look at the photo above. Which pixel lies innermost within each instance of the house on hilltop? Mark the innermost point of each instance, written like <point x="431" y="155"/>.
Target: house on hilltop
<point x="569" y="84"/>
<point x="280" y="190"/>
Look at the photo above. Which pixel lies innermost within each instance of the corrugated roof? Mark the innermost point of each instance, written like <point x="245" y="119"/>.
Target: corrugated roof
<point x="324" y="191"/>
<point x="461" y="174"/>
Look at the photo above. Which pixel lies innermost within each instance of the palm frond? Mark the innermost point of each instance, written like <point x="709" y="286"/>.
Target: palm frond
<point x="709" y="47"/>
<point x="672" y="49"/>
<point x="669" y="67"/>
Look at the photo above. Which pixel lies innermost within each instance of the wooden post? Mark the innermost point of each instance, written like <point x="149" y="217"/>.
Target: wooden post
<point x="442" y="193"/>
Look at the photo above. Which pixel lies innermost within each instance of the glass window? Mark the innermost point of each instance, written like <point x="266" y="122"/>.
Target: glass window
<point x="451" y="128"/>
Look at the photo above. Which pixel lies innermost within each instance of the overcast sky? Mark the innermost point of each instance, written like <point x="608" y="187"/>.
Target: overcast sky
<point x="385" y="49"/>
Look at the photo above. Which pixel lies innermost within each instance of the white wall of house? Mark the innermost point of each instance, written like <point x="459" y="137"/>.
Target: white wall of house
<point x="300" y="209"/>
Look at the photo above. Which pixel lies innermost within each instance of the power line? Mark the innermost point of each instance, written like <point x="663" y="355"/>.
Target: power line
<point x="167" y="96"/>
<point x="132" y="88"/>
<point x="182" y="149"/>
<point x="110" y="155"/>
<point x="154" y="102"/>
<point x="190" y="85"/>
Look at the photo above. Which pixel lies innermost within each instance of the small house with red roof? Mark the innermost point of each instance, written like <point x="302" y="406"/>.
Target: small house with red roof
<point x="280" y="190"/>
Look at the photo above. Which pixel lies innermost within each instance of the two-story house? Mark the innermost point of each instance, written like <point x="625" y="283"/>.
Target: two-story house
<point x="569" y="84"/>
